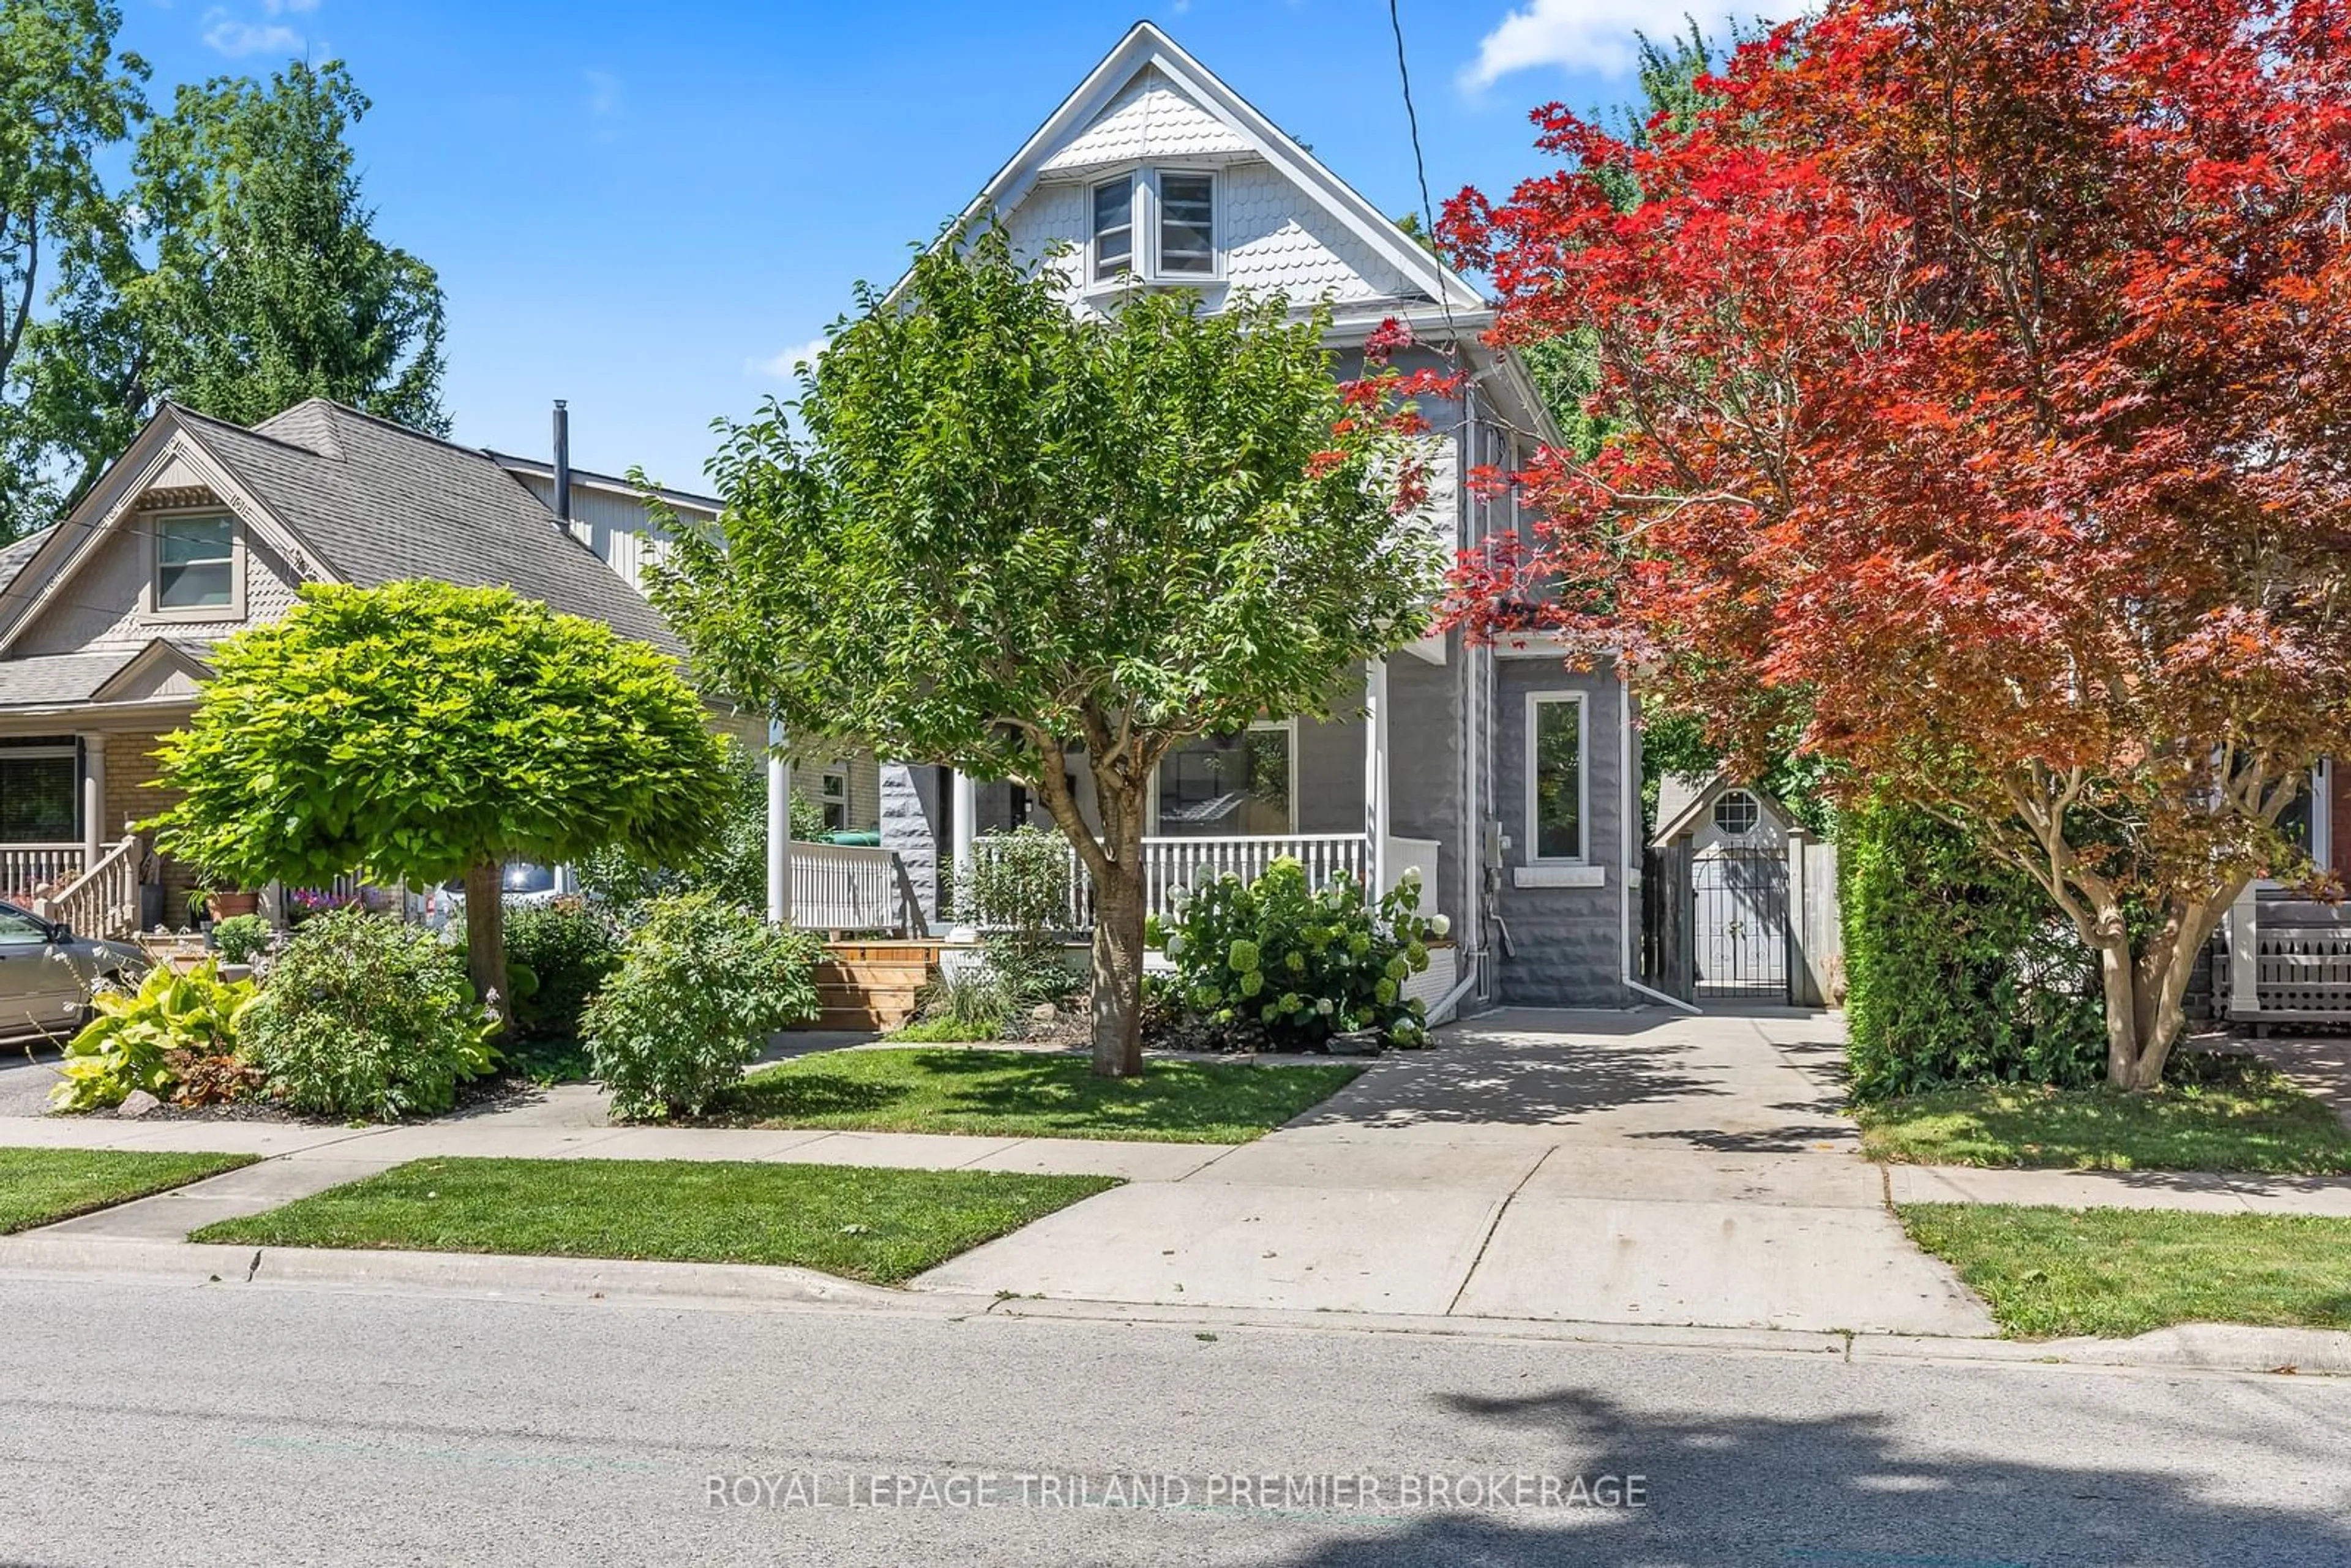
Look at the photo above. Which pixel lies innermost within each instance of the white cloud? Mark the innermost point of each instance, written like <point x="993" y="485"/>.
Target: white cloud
<point x="279" y="8"/>
<point x="782" y="367"/>
<point x="235" y="39"/>
<point x="1590" y="36"/>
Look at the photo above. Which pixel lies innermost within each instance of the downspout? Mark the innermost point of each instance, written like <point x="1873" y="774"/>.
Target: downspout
<point x="1628" y="834"/>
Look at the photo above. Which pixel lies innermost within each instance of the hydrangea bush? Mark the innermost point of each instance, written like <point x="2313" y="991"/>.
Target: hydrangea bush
<point x="1278" y="957"/>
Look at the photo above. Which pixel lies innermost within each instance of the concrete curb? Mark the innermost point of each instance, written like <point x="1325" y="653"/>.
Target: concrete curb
<point x="2213" y="1348"/>
<point x="466" y="1273"/>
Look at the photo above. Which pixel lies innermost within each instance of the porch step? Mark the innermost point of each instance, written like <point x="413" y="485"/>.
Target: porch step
<point x="871" y="985"/>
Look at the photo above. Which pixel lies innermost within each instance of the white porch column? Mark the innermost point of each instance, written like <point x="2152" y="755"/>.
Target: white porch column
<point x="93" y="797"/>
<point x="1376" y="771"/>
<point x="2244" y="969"/>
<point x="966" y="812"/>
<point x="779" y="828"/>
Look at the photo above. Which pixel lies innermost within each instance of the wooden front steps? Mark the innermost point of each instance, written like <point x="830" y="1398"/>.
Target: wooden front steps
<point x="871" y="985"/>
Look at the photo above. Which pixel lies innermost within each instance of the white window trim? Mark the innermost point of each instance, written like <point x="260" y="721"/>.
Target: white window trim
<point x="1535" y="701"/>
<point x="1151" y="795"/>
<point x="151" y="605"/>
<point x="1144" y="269"/>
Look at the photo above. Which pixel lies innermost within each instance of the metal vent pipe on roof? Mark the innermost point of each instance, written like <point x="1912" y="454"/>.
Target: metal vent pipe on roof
<point x="562" y="461"/>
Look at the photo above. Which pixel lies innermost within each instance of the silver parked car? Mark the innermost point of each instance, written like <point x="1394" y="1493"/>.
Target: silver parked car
<point x="47" y="972"/>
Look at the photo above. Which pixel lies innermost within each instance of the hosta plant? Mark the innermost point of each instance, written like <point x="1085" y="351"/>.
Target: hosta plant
<point x="1298" y="964"/>
<point x="133" y="1035"/>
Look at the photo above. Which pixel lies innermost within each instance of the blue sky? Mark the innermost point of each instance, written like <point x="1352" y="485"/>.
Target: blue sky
<point x="642" y="208"/>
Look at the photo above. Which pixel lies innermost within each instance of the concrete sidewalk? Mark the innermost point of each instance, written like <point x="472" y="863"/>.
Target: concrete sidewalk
<point x="1630" y="1168"/>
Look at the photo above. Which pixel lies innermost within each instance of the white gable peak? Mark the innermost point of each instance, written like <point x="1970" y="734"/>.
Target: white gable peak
<point x="1151" y="117"/>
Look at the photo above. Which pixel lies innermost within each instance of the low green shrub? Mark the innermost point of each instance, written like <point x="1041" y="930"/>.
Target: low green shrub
<point x="701" y="985"/>
<point x="733" y="864"/>
<point x="1958" y="970"/>
<point x="568" y="950"/>
<point x="242" y="938"/>
<point x="1017" y="881"/>
<point x="363" y="1016"/>
<point x="1299" y="966"/>
<point x="135" y="1036"/>
<point x="967" y="1003"/>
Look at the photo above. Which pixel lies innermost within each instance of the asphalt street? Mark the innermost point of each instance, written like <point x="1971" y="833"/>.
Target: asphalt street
<point x="235" y="1424"/>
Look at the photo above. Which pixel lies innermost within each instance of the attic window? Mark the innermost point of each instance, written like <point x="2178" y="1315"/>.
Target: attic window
<point x="196" y="561"/>
<point x="1155" y="225"/>
<point x="1188" y="223"/>
<point x="1113" y="229"/>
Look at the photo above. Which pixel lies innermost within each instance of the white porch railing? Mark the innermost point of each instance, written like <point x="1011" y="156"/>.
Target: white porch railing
<point x="1171" y="863"/>
<point x="2289" y="961"/>
<point x="37" y="871"/>
<point x="104" y="903"/>
<point x="852" y="887"/>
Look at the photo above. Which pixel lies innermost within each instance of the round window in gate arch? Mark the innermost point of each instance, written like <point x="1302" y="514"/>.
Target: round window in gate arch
<point x="1737" y="813"/>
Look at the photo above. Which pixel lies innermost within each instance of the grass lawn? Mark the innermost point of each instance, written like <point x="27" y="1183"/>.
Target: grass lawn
<point x="41" y="1186"/>
<point x="2214" y="1112"/>
<point x="883" y="1225"/>
<point x="2049" y="1272"/>
<point x="1029" y="1095"/>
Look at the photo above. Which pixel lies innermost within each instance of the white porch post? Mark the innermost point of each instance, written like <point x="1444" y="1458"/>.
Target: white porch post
<point x="93" y="797"/>
<point x="966" y="811"/>
<point x="1376" y="771"/>
<point x="2244" y="969"/>
<point x="779" y="828"/>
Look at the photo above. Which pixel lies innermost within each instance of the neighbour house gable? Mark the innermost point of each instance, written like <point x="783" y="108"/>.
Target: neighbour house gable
<point x="320" y="493"/>
<point x="95" y="583"/>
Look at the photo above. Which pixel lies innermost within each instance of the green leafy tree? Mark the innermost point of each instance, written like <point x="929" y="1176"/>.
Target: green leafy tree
<point x="420" y="732"/>
<point x="996" y="534"/>
<point x="66" y="97"/>
<point x="237" y="273"/>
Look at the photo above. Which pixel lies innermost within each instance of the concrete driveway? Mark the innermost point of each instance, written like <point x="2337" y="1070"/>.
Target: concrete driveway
<point x="1636" y="1167"/>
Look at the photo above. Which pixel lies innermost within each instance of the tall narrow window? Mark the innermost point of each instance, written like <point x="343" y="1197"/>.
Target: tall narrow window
<point x="1114" y="228"/>
<point x="195" y="562"/>
<point x="833" y="794"/>
<point x="1188" y="223"/>
<point x="1555" y="776"/>
<point x="1227" y="785"/>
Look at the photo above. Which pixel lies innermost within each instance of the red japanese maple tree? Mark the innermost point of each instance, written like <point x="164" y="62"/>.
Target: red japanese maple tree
<point x="1979" y="371"/>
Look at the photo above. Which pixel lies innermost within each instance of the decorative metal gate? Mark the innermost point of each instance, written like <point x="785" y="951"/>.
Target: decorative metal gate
<point x="1740" y="924"/>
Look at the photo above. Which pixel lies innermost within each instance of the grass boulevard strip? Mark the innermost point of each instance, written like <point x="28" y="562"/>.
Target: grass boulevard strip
<point x="2221" y="1111"/>
<point x="2054" y="1272"/>
<point x="1029" y="1095"/>
<point x="42" y="1187"/>
<point x="880" y="1226"/>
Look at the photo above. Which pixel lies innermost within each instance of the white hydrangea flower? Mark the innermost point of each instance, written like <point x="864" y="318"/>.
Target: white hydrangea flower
<point x="1175" y="946"/>
<point x="1440" y="925"/>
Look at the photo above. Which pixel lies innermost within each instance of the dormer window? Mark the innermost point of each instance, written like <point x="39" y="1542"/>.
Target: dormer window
<point x="1155" y="225"/>
<point x="196" y="561"/>
<point x="1113" y="229"/>
<point x="1188" y="225"/>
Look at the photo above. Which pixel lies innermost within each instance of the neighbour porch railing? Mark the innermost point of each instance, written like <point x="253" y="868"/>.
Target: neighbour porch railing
<point x="853" y="887"/>
<point x="1172" y="863"/>
<point x="104" y="902"/>
<point x="2289" y="961"/>
<point x="37" y="871"/>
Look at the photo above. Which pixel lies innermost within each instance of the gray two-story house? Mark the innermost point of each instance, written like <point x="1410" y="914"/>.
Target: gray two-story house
<point x="1507" y="778"/>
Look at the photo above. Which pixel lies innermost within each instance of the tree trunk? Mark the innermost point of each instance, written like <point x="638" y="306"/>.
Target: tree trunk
<point x="1118" y="971"/>
<point x="485" y="938"/>
<point x="2146" y="992"/>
